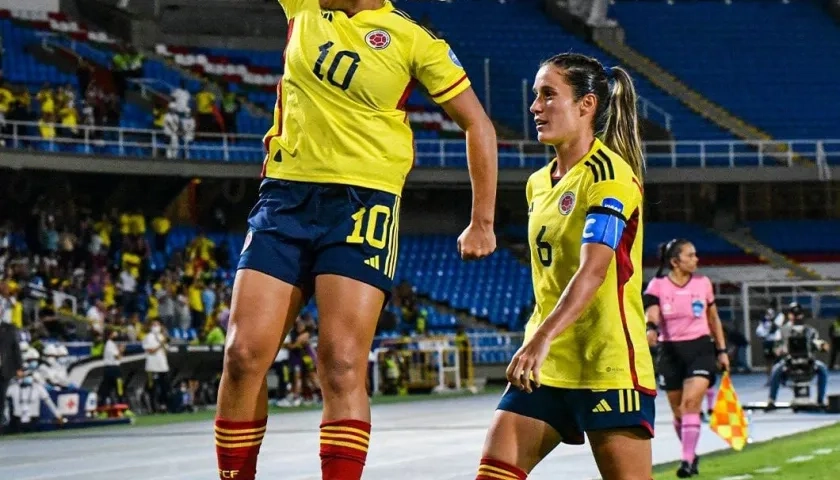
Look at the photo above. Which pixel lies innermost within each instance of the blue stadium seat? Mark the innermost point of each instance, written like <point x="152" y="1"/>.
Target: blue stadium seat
<point x="694" y="41"/>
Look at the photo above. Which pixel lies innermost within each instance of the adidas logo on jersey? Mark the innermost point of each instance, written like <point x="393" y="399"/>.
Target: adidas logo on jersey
<point x="602" y="407"/>
<point x="373" y="262"/>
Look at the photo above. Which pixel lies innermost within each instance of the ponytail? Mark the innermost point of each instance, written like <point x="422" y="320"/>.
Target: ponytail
<point x="621" y="134"/>
<point x="663" y="260"/>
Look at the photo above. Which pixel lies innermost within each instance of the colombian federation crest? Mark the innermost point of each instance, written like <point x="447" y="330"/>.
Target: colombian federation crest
<point x="378" y="39"/>
<point x="567" y="203"/>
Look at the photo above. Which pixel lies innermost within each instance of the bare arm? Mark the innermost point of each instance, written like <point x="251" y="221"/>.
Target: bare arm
<point x="716" y="328"/>
<point x="595" y="261"/>
<point x="482" y="154"/>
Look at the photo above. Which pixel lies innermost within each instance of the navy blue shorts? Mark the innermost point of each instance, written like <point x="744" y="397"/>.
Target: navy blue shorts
<point x="298" y="230"/>
<point x="573" y="412"/>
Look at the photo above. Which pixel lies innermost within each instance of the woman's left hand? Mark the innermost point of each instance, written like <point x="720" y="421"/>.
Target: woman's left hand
<point x="527" y="362"/>
<point x="723" y="362"/>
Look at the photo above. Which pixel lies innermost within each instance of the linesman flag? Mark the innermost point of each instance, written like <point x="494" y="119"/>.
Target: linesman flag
<point x="728" y="419"/>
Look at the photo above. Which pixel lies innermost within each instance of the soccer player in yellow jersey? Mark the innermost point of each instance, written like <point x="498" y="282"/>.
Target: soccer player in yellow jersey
<point x="327" y="218"/>
<point x="585" y="366"/>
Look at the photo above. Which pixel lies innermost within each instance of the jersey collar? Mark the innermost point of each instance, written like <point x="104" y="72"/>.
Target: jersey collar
<point x="596" y="144"/>
<point x="388" y="7"/>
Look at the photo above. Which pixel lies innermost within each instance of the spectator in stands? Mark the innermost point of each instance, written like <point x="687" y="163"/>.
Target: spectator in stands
<point x="208" y="300"/>
<point x="197" y="315"/>
<point x="21" y="111"/>
<point x="161" y="226"/>
<point x="205" y="103"/>
<point x="414" y="315"/>
<point x="183" y="313"/>
<point x="11" y="358"/>
<point x="96" y="315"/>
<point x="46" y="126"/>
<point x="46" y="100"/>
<point x="230" y="108"/>
<point x="6" y="100"/>
<point x="157" y="366"/>
<point x="127" y="286"/>
<point x="216" y="335"/>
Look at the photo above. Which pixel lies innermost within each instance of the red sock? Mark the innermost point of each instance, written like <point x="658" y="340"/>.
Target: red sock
<point x="344" y="446"/>
<point x="237" y="448"/>
<point x="495" y="470"/>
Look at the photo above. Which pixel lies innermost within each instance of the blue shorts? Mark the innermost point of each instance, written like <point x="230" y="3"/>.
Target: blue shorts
<point x="573" y="412"/>
<point x="298" y="230"/>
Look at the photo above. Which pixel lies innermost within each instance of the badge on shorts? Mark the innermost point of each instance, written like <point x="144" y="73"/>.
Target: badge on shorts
<point x="378" y="39"/>
<point x="567" y="203"/>
<point x="248" y="237"/>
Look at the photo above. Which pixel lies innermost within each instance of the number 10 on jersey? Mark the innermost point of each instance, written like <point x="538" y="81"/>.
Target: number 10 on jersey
<point x="351" y="59"/>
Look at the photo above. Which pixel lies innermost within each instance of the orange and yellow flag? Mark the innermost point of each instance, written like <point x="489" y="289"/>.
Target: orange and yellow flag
<point x="728" y="419"/>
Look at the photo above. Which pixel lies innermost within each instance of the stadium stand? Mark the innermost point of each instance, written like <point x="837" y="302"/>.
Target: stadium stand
<point x="488" y="35"/>
<point x="804" y="240"/>
<point x="706" y="45"/>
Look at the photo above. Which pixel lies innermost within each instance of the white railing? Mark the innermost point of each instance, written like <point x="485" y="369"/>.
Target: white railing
<point x="653" y="112"/>
<point x="135" y="142"/>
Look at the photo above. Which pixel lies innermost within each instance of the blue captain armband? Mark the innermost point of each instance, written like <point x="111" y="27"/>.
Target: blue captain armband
<point x="604" y="224"/>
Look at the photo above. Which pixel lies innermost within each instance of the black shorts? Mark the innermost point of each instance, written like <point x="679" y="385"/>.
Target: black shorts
<point x="298" y="230"/>
<point x="679" y="361"/>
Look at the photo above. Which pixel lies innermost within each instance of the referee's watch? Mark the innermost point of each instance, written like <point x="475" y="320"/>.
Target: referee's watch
<point x="720" y="350"/>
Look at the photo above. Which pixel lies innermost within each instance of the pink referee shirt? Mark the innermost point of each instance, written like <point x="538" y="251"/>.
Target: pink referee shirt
<point x="683" y="309"/>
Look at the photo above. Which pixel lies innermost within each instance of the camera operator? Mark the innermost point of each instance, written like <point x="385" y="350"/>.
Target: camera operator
<point x="799" y="341"/>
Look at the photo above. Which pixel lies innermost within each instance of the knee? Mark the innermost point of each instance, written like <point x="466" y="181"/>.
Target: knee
<point x="339" y="372"/>
<point x="690" y="405"/>
<point x="244" y="361"/>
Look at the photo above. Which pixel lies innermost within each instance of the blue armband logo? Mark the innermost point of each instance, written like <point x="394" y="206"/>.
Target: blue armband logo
<point x="455" y="59"/>
<point x="603" y="228"/>
<point x="613" y="204"/>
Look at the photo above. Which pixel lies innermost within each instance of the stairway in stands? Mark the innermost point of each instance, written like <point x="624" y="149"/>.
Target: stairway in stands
<point x="744" y="240"/>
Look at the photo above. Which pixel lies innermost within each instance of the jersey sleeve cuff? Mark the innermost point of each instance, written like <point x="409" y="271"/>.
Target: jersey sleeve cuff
<point x="456" y="88"/>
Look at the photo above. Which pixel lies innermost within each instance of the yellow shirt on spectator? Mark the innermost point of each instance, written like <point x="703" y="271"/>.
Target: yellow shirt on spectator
<point x="137" y="224"/>
<point x="161" y="225"/>
<point x="6" y="98"/>
<point x="205" y="100"/>
<point x="125" y="224"/>
<point x="103" y="229"/>
<point x="47" y="101"/>
<point x="47" y="130"/>
<point x="109" y="294"/>
<point x="153" y="311"/>
<point x="69" y="117"/>
<point x="17" y="315"/>
<point x="131" y="262"/>
<point x="195" y="299"/>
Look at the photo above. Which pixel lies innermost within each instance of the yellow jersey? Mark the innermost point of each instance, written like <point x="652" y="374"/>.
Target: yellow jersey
<point x="598" y="200"/>
<point x="340" y="115"/>
<point x="205" y="100"/>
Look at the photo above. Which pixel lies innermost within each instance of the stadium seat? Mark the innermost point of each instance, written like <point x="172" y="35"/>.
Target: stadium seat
<point x="723" y="51"/>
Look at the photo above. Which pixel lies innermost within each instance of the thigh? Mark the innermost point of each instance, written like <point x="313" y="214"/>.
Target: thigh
<point x="520" y="439"/>
<point x="263" y="310"/>
<point x="549" y="405"/>
<point x="348" y="313"/>
<point x="359" y="238"/>
<point x="281" y="230"/>
<point x="622" y="454"/>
